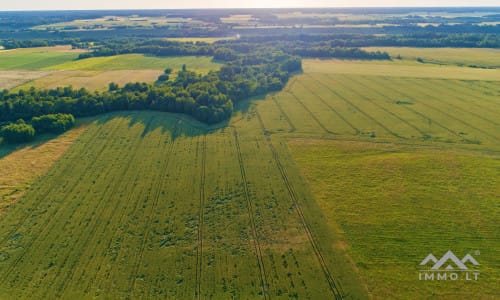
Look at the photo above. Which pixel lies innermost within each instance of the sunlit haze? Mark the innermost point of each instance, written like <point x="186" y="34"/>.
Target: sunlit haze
<point x="152" y="4"/>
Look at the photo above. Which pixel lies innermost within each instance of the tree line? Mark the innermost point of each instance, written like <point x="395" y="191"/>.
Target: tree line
<point x="22" y="132"/>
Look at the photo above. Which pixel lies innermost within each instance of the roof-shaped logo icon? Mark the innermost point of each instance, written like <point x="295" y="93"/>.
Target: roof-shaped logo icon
<point x="449" y="261"/>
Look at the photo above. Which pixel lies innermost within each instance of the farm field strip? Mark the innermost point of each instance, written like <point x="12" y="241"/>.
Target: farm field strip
<point x="347" y="126"/>
<point x="322" y="110"/>
<point x="410" y="115"/>
<point x="398" y="70"/>
<point x="251" y="214"/>
<point x="228" y="241"/>
<point x="295" y="113"/>
<point x="457" y="122"/>
<point x="467" y="105"/>
<point x="448" y="122"/>
<point x="274" y="117"/>
<point x="14" y="223"/>
<point x="335" y="288"/>
<point x="444" y="96"/>
<point x="374" y="125"/>
<point x="106" y="213"/>
<point x="373" y="87"/>
<point x="50" y="225"/>
<point x="388" y="184"/>
<point x="199" y="249"/>
<point x="311" y="113"/>
<point x="391" y="120"/>
<point x="278" y="222"/>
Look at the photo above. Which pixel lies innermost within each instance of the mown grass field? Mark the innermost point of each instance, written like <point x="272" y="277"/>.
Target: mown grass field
<point x="339" y="185"/>
<point x="50" y="67"/>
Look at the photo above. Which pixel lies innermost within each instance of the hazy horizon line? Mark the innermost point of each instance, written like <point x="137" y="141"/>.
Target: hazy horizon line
<point x="243" y="8"/>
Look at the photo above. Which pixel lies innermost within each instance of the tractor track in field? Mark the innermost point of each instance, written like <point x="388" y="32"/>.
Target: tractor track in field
<point x="313" y="116"/>
<point x="459" y="108"/>
<point x="199" y="249"/>
<point x="95" y="212"/>
<point x="156" y="198"/>
<point x="287" y="118"/>
<point x="121" y="218"/>
<point x="251" y="215"/>
<point x="335" y="287"/>
<point x="359" y="109"/>
<point x="114" y="211"/>
<point x="380" y="106"/>
<point x="27" y="216"/>
<point x="356" y="130"/>
<point x="49" y="219"/>
<point x="446" y="114"/>
<point x="458" y="88"/>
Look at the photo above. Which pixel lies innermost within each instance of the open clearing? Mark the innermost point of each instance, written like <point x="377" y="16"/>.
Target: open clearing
<point x="339" y="185"/>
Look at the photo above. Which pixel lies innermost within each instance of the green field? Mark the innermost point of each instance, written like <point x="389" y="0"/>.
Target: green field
<point x="485" y="58"/>
<point x="34" y="58"/>
<point x="339" y="185"/>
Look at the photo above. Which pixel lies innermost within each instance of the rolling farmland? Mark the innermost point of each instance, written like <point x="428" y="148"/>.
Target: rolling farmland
<point x="50" y="67"/>
<point x="315" y="192"/>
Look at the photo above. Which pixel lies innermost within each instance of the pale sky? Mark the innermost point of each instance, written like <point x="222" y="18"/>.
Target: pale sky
<point x="169" y="4"/>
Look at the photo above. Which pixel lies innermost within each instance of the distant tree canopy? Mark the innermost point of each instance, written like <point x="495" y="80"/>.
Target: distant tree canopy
<point x="18" y="132"/>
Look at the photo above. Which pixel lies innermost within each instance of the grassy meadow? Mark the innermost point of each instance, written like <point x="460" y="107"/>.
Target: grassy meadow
<point x="338" y="186"/>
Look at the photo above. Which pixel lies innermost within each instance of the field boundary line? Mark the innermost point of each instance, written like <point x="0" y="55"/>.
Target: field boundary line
<point x="258" y="251"/>
<point x="335" y="287"/>
<point x="199" y="249"/>
<point x="287" y="118"/>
